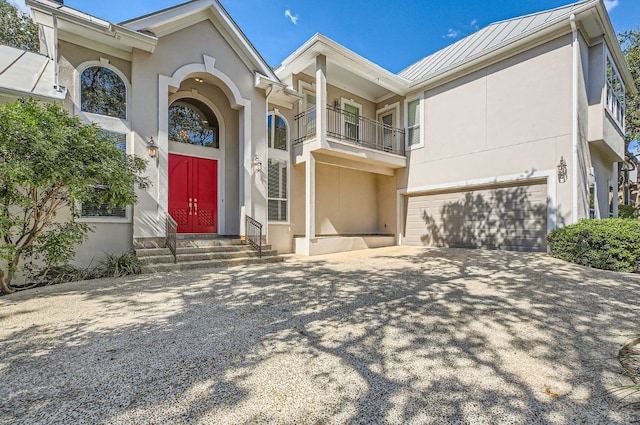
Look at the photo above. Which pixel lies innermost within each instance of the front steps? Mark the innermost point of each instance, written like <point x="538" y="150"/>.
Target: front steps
<point x="204" y="252"/>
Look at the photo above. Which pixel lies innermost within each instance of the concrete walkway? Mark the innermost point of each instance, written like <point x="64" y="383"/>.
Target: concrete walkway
<point x="393" y="336"/>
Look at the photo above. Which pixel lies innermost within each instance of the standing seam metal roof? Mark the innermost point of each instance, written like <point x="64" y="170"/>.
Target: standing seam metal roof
<point x="28" y="73"/>
<point x="485" y="40"/>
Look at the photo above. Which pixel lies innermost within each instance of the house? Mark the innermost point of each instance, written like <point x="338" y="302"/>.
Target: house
<point x="491" y="142"/>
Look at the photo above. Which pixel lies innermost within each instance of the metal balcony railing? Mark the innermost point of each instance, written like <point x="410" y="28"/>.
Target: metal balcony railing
<point x="351" y="128"/>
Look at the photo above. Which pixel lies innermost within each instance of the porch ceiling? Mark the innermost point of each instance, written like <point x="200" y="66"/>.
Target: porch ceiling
<point x="347" y="80"/>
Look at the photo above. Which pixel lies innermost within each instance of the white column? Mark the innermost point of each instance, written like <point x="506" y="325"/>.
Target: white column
<point x="310" y="197"/>
<point x="321" y="99"/>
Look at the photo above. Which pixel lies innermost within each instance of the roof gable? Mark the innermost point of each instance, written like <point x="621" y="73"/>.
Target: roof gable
<point x="176" y="18"/>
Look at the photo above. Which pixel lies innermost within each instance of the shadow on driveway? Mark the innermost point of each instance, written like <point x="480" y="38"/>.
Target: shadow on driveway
<point x="394" y="335"/>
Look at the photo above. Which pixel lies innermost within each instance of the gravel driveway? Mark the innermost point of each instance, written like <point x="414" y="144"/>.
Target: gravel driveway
<point x="391" y="336"/>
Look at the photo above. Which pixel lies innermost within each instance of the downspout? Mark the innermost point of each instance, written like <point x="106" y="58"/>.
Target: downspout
<point x="55" y="52"/>
<point x="574" y="112"/>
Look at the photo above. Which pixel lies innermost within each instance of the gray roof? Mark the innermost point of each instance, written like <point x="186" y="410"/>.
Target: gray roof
<point x="486" y="40"/>
<point x="25" y="73"/>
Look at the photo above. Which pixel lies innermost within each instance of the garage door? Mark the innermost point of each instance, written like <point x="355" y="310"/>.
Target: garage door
<point x="506" y="217"/>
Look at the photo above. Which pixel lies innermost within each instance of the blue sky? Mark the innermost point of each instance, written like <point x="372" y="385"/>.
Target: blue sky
<point x="393" y="34"/>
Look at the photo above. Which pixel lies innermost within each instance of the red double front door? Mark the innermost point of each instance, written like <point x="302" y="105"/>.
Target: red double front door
<point x="193" y="193"/>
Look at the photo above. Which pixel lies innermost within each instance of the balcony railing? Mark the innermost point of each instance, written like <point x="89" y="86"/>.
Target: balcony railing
<point x="353" y="129"/>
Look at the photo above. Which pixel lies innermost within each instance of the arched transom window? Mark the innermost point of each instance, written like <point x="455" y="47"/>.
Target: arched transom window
<point x="191" y="121"/>
<point x="278" y="168"/>
<point x="103" y="92"/>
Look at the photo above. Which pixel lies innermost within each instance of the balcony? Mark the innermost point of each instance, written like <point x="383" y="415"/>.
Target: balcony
<point x="352" y="129"/>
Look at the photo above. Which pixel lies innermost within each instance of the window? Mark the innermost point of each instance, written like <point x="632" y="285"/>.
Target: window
<point x="351" y="121"/>
<point x="103" y="92"/>
<point x="413" y="123"/>
<point x="387" y="131"/>
<point x="277" y="132"/>
<point x="188" y="123"/>
<point x="615" y="94"/>
<point x="89" y="210"/>
<point x="277" y="168"/>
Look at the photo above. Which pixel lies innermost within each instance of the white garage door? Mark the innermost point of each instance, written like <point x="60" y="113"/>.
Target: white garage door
<point x="506" y="217"/>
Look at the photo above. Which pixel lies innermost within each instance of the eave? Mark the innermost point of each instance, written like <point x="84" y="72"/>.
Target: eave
<point x="80" y="25"/>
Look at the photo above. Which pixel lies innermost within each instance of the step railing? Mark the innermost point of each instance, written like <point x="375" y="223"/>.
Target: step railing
<point x="253" y="237"/>
<point x="171" y="235"/>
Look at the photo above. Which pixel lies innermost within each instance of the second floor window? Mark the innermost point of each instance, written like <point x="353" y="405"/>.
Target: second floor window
<point x="103" y="92"/>
<point x="615" y="94"/>
<point x="278" y="168"/>
<point x="413" y="122"/>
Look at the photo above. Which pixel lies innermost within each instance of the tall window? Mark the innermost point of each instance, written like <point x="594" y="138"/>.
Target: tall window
<point x="192" y="122"/>
<point x="278" y="168"/>
<point x="413" y="122"/>
<point x="89" y="210"/>
<point x="615" y="94"/>
<point x="103" y="92"/>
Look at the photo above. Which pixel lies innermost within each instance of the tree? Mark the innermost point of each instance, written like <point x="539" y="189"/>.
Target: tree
<point x="17" y="29"/>
<point x="49" y="163"/>
<point x="630" y="43"/>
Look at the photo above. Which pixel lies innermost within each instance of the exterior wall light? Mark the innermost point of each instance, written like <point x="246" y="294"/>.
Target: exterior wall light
<point x="152" y="148"/>
<point x="257" y="164"/>
<point x="562" y="170"/>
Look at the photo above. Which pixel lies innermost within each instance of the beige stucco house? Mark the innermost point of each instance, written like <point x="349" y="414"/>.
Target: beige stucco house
<point x="491" y="142"/>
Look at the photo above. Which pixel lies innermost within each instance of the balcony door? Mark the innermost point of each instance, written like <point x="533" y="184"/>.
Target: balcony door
<point x="386" y="133"/>
<point x="193" y="193"/>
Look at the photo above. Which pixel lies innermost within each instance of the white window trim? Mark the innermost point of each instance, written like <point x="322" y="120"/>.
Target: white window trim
<point x="107" y="123"/>
<point x="91" y="117"/>
<point x="608" y="57"/>
<point x="128" y="209"/>
<point x="343" y="102"/>
<point x="420" y="98"/>
<point x="279" y="154"/>
<point x="303" y="87"/>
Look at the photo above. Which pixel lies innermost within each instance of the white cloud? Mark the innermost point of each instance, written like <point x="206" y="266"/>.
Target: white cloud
<point x="294" y="19"/>
<point x="19" y="4"/>
<point x="610" y="4"/>
<point x="451" y="33"/>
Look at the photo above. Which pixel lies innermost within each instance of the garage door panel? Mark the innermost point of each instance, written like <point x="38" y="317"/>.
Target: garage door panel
<point x="510" y="217"/>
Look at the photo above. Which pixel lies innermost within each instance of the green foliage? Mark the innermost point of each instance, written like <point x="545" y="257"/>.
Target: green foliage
<point x="627" y="211"/>
<point x="608" y="244"/>
<point x="50" y="162"/>
<point x="59" y="274"/>
<point x="112" y="265"/>
<point x="630" y="43"/>
<point x="17" y="29"/>
<point x="119" y="265"/>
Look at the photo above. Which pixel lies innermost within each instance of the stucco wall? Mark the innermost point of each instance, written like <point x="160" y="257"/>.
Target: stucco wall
<point x="510" y="118"/>
<point x="346" y="201"/>
<point x="173" y="51"/>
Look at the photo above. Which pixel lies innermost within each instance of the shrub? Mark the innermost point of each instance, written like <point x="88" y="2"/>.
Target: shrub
<point x="608" y="244"/>
<point x="627" y="211"/>
<point x="59" y="274"/>
<point x="114" y="265"/>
